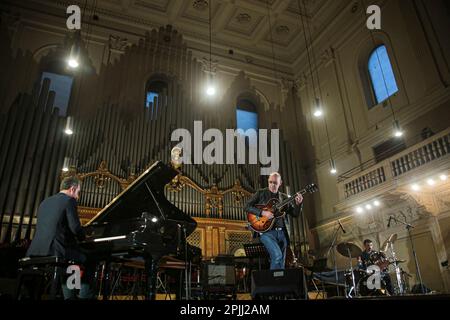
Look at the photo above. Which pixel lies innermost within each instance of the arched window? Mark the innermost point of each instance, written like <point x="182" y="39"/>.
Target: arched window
<point x="246" y="115"/>
<point x="62" y="86"/>
<point x="381" y="74"/>
<point x="154" y="91"/>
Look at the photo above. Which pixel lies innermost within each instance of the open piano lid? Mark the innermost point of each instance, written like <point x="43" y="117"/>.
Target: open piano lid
<point x="137" y="198"/>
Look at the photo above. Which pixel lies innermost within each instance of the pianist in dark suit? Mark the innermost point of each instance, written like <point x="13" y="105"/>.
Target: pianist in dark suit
<point x="58" y="229"/>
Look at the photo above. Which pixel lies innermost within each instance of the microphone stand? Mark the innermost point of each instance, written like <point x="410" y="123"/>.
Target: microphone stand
<point x="187" y="265"/>
<point x="333" y="245"/>
<point x="187" y="273"/>
<point x="304" y="250"/>
<point x="409" y="227"/>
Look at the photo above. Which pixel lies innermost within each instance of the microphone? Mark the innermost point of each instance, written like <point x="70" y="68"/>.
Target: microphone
<point x="389" y="223"/>
<point x="340" y="224"/>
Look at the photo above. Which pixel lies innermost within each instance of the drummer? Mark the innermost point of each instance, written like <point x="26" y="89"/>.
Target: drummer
<point x="368" y="257"/>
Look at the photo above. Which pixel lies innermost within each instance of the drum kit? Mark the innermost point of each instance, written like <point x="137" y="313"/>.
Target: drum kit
<point x="356" y="279"/>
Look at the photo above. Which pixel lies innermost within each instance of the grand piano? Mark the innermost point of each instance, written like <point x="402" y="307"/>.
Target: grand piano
<point x="141" y="224"/>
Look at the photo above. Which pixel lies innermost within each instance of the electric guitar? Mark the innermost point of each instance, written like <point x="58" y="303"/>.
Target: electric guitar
<point x="263" y="224"/>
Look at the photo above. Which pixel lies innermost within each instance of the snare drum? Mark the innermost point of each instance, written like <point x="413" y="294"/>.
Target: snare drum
<point x="379" y="259"/>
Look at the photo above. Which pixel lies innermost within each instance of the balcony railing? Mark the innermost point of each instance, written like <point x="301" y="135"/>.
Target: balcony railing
<point x="434" y="148"/>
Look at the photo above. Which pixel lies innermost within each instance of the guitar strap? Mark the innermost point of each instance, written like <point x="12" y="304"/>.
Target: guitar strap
<point x="287" y="219"/>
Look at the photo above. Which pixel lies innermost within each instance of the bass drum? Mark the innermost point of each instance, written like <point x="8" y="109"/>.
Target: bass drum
<point x="363" y="289"/>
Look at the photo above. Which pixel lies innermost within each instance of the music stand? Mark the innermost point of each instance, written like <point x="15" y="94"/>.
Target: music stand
<point x="256" y="250"/>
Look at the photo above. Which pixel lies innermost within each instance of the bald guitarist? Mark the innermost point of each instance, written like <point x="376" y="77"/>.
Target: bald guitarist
<point x="276" y="239"/>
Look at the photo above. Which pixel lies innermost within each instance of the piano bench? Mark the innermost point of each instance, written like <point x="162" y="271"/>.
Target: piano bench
<point x="40" y="275"/>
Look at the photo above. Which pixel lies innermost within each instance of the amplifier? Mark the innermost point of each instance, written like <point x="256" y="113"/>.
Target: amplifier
<point x="217" y="275"/>
<point x="287" y="282"/>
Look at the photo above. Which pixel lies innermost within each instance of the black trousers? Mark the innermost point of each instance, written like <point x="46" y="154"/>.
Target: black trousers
<point x="88" y="263"/>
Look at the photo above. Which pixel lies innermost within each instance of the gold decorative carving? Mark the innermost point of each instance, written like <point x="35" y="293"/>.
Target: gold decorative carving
<point x="101" y="176"/>
<point x="86" y="213"/>
<point x="213" y="196"/>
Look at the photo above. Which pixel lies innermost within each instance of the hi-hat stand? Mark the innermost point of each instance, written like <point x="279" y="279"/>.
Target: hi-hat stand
<point x="408" y="228"/>
<point x="333" y="246"/>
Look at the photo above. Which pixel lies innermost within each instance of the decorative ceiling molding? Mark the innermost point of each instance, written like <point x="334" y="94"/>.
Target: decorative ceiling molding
<point x="328" y="56"/>
<point x="282" y="30"/>
<point x="209" y="66"/>
<point x="267" y="2"/>
<point x="118" y="43"/>
<point x="200" y="5"/>
<point x="243" y="18"/>
<point x="236" y="24"/>
<point x="161" y="5"/>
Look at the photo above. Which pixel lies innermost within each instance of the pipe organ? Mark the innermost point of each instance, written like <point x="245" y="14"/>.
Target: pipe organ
<point x="117" y="136"/>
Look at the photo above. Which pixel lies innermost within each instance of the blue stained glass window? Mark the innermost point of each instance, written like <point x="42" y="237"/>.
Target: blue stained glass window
<point x="62" y="86"/>
<point x="150" y="98"/>
<point x="247" y="120"/>
<point x="381" y="74"/>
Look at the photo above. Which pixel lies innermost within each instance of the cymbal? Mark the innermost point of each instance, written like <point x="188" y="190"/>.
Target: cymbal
<point x="392" y="238"/>
<point x="349" y="249"/>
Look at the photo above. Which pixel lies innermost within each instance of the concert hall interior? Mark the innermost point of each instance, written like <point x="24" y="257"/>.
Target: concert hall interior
<point x="137" y="103"/>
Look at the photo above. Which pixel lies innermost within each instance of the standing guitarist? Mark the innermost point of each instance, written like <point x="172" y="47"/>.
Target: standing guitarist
<point x="276" y="239"/>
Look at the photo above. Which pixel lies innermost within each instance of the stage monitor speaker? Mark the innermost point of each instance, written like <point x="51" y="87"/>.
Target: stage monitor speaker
<point x="219" y="275"/>
<point x="288" y="282"/>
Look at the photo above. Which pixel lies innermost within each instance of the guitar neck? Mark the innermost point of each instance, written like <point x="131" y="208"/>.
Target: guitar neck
<point x="289" y="200"/>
